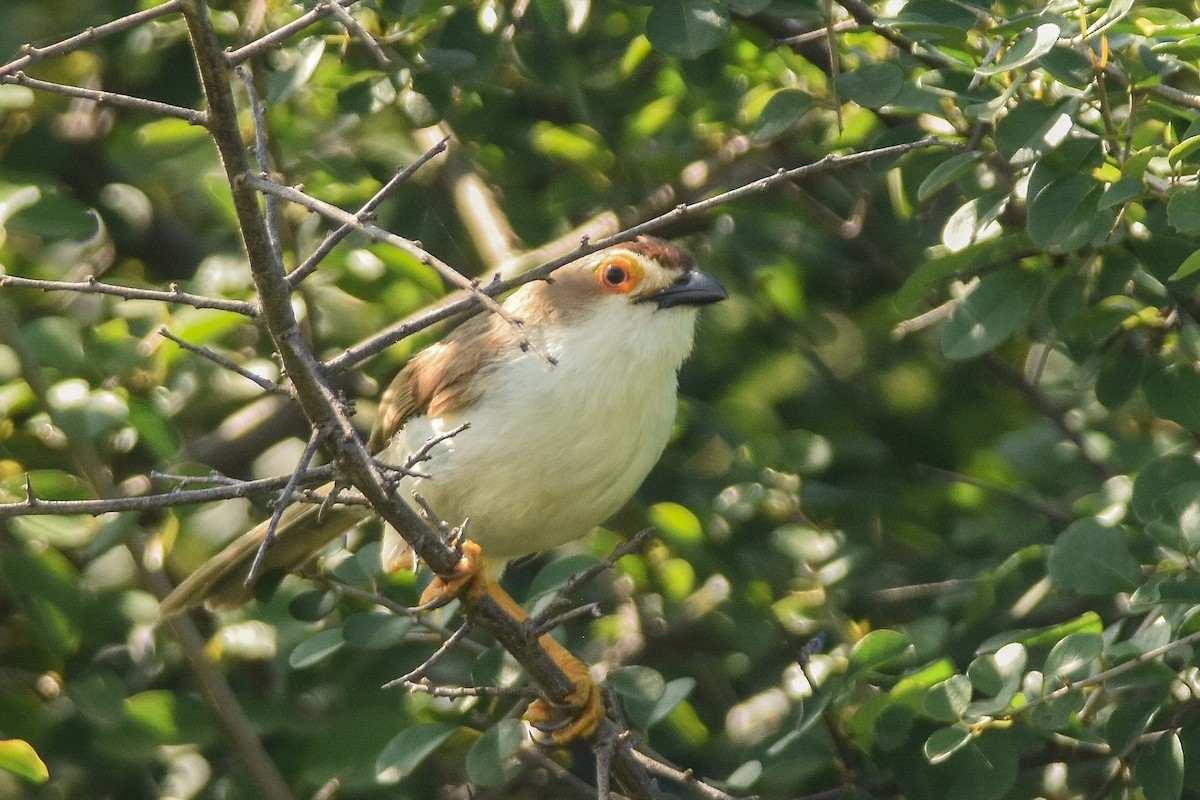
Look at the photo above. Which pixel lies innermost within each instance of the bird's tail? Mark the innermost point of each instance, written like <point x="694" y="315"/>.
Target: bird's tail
<point x="303" y="531"/>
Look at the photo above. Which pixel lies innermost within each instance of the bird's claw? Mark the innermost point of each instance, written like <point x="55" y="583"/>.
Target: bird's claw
<point x="578" y="717"/>
<point x="445" y="588"/>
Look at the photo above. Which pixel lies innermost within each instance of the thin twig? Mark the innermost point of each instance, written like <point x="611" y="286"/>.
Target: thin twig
<point x="428" y="664"/>
<point x="262" y="157"/>
<point x="93" y="286"/>
<point x="429" y="687"/>
<point x="282" y="33"/>
<point x="414" y="249"/>
<point x="361" y="33"/>
<point x="30" y="53"/>
<point x="310" y="264"/>
<point x="102" y="97"/>
<point x="225" y="363"/>
<point x="685" y="777"/>
<point x="310" y="451"/>
<point x="230" y="490"/>
<point x="562" y="598"/>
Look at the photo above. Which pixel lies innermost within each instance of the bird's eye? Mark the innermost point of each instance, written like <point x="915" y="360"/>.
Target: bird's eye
<point x="617" y="275"/>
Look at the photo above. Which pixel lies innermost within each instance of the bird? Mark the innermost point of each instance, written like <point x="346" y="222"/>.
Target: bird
<point x="534" y="432"/>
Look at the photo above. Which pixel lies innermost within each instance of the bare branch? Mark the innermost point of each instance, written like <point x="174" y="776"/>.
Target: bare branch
<point x="309" y="265"/>
<point x="414" y="249"/>
<point x="362" y="34"/>
<point x="230" y="489"/>
<point x="282" y="33"/>
<point x="684" y="777"/>
<point x="435" y="657"/>
<point x="225" y="363"/>
<point x="93" y="286"/>
<point x="102" y="97"/>
<point x="429" y="687"/>
<point x="562" y="599"/>
<point x="30" y="53"/>
<point x="310" y="450"/>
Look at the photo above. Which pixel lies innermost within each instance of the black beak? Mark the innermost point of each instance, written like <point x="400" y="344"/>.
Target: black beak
<point x="693" y="288"/>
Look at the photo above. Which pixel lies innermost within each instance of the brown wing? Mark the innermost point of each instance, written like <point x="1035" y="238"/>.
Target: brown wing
<point x="441" y="378"/>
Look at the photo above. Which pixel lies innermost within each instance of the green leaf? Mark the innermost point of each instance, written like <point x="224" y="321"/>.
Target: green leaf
<point x="1024" y="131"/>
<point x="946" y="173"/>
<point x="998" y="306"/>
<point x="1183" y="209"/>
<point x="1065" y="215"/>
<point x="872" y="85"/>
<point x="782" y="111"/>
<point x="998" y="675"/>
<point x="1029" y="46"/>
<point x="1071" y="659"/>
<point x="1157" y="479"/>
<point x="1188" y="267"/>
<point x="1183" y="150"/>
<point x="1121" y="370"/>
<point x="316" y="648"/>
<point x="687" y="28"/>
<point x="676" y="522"/>
<point x="489" y="761"/>
<point x="375" y="630"/>
<point x="1121" y="190"/>
<point x="945" y="742"/>
<point x="1127" y="723"/>
<point x="637" y="682"/>
<point x="1057" y="714"/>
<point x="555" y="575"/>
<point x="946" y="701"/>
<point x="1159" y="768"/>
<point x="1174" y="393"/>
<point x="647" y="696"/>
<point x="313" y="605"/>
<point x="405" y="752"/>
<point x="1092" y="559"/>
<point x="876" y="649"/>
<point x="1068" y="65"/>
<point x="974" y="223"/>
<point x="19" y="758"/>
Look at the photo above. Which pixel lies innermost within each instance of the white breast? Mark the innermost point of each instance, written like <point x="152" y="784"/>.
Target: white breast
<point x="552" y="452"/>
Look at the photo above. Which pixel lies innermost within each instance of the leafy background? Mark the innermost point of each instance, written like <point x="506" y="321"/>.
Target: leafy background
<point x="928" y="527"/>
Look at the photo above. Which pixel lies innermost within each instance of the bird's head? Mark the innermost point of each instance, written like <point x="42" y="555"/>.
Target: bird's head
<point x="644" y="282"/>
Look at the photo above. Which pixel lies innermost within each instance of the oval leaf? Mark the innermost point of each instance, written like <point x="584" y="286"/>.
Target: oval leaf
<point x="687" y="28"/>
<point x="946" y="742"/>
<point x="1000" y="304"/>
<point x="1174" y="393"/>
<point x="18" y="757"/>
<point x="405" y="752"/>
<point x="1029" y="46"/>
<point x="316" y="648"/>
<point x="375" y="630"/>
<point x="1092" y="559"/>
<point x="488" y="760"/>
<point x="871" y="86"/>
<point x="782" y="111"/>
<point x="1070" y="659"/>
<point x="876" y="649"/>
<point x="946" y="701"/>
<point x="1159" y="768"/>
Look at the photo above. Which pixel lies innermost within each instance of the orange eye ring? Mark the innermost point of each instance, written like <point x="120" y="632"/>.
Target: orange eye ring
<point x="617" y="274"/>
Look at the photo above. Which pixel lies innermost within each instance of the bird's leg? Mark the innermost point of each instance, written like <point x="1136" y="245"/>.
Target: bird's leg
<point x="580" y="714"/>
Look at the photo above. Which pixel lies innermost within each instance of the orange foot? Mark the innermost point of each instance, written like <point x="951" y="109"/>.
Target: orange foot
<point x="580" y="715"/>
<point x="445" y="588"/>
